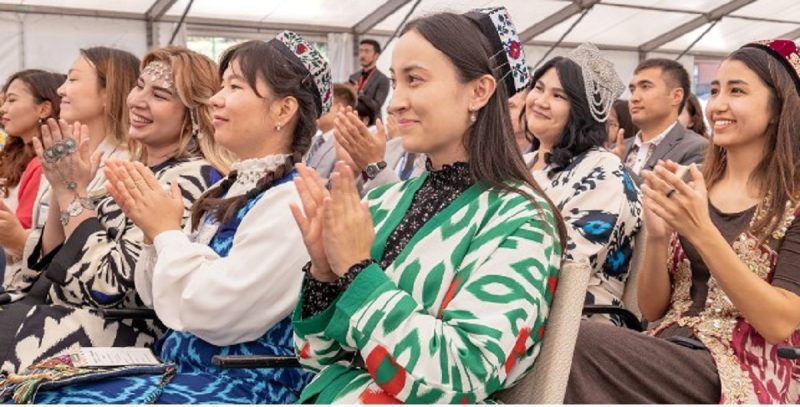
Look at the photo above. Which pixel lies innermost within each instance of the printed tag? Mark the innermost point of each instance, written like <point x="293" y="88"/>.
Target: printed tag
<point x="108" y="357"/>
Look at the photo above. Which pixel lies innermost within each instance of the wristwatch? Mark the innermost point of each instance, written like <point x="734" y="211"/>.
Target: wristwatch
<point x="373" y="169"/>
<point x="75" y="208"/>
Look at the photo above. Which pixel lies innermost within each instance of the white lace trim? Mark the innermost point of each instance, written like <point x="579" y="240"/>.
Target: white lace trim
<point x="251" y="170"/>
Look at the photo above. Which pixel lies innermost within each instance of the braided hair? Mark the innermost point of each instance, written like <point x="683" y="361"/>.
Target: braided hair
<point x="284" y="77"/>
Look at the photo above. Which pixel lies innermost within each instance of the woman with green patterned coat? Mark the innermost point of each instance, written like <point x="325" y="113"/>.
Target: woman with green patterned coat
<point x="436" y="289"/>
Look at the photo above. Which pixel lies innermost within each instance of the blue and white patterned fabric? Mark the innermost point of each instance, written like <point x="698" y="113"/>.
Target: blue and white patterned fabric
<point x="196" y="380"/>
<point x="602" y="208"/>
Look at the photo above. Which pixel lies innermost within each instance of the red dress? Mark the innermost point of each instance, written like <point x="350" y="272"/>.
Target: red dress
<point x="27" y="191"/>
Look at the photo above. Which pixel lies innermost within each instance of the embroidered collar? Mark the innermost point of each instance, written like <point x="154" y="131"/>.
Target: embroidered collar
<point x="456" y="174"/>
<point x="251" y="170"/>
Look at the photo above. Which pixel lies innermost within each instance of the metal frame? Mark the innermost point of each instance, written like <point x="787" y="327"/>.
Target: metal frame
<point x="152" y="15"/>
<point x="695" y="23"/>
<point x="554" y="19"/>
<point x="157" y="13"/>
<point x="378" y="15"/>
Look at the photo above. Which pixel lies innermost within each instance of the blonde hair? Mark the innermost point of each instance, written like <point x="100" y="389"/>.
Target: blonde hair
<point x="196" y="80"/>
<point x="117" y="71"/>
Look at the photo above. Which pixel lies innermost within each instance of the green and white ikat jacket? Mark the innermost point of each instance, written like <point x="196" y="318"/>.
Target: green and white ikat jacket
<point x="459" y="314"/>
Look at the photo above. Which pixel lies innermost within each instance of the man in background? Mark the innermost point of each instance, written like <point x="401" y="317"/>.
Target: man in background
<point x="659" y="90"/>
<point x="370" y="82"/>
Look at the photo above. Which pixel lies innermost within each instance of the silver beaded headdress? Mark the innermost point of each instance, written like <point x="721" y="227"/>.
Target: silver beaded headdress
<point x="603" y="85"/>
<point x="160" y="70"/>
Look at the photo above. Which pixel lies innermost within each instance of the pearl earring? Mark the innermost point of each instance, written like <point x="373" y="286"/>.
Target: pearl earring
<point x="278" y="127"/>
<point x="473" y="117"/>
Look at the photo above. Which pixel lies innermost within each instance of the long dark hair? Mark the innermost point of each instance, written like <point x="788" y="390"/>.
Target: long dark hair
<point x="696" y="113"/>
<point x="16" y="154"/>
<point x="284" y="77"/>
<point x="582" y="131"/>
<point x="777" y="173"/>
<point x="494" y="156"/>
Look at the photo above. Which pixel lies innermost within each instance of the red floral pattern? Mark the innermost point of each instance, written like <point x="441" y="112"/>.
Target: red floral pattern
<point x="514" y="49"/>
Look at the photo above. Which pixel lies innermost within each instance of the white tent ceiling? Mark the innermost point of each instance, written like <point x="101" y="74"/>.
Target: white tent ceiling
<point x="626" y="25"/>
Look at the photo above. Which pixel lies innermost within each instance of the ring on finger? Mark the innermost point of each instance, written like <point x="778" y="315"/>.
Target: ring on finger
<point x="70" y="145"/>
<point x="50" y="156"/>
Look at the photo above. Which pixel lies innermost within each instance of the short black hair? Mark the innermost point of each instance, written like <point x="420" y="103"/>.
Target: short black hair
<point x="675" y="73"/>
<point x="375" y="45"/>
<point x="368" y="108"/>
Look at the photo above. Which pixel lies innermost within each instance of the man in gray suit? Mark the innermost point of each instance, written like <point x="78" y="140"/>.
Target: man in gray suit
<point x="370" y="82"/>
<point x="659" y="90"/>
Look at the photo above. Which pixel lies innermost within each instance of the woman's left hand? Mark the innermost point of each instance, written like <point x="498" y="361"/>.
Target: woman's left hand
<point x="683" y="206"/>
<point x="12" y="234"/>
<point x="143" y="199"/>
<point x="70" y="171"/>
<point x="348" y="231"/>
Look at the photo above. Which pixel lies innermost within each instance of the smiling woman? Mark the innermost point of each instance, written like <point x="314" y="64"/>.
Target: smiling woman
<point x="400" y="296"/>
<point x="93" y="264"/>
<point x="595" y="194"/>
<point x="92" y="95"/>
<point x="30" y="99"/>
<point x="205" y="284"/>
<point x="721" y="271"/>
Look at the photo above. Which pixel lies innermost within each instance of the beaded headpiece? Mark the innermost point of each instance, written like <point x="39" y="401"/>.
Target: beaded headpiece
<point x="159" y="70"/>
<point x="496" y="25"/>
<point x="301" y="51"/>
<point x="786" y="52"/>
<point x="603" y="85"/>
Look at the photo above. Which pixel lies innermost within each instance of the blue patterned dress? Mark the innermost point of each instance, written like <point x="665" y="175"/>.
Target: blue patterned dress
<point x="196" y="380"/>
<point x="602" y="209"/>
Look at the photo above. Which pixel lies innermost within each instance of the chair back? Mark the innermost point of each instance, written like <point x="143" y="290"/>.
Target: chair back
<point x="546" y="383"/>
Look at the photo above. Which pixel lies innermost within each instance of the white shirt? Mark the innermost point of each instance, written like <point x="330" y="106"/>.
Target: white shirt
<point x="237" y="298"/>
<point x="644" y="147"/>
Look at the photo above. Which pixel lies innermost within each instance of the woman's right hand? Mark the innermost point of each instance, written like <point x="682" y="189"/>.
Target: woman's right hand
<point x="312" y="193"/>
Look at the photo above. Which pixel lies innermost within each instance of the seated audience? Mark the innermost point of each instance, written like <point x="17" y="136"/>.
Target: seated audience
<point x="448" y="273"/>
<point x="600" y="203"/>
<point x="721" y="272"/>
<point x="94" y="95"/>
<point x="227" y="284"/>
<point x="88" y="255"/>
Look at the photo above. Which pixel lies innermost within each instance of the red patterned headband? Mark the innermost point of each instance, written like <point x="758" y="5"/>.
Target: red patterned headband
<point x="784" y="51"/>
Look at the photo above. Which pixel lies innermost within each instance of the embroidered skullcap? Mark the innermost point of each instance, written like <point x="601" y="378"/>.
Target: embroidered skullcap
<point x="301" y="51"/>
<point x="784" y="51"/>
<point x="603" y="85"/>
<point x="496" y="25"/>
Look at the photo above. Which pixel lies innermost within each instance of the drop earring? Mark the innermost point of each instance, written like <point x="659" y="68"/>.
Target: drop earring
<point x="278" y="127"/>
<point x="473" y="117"/>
